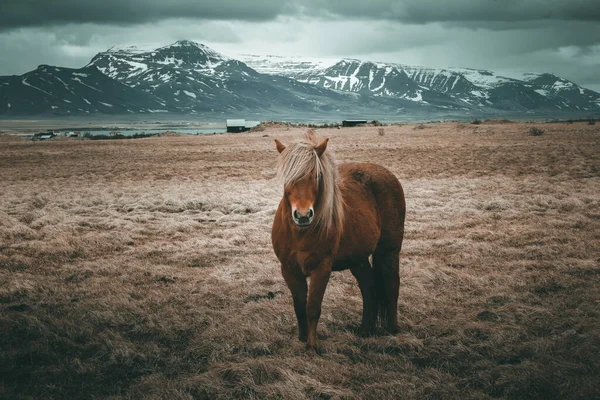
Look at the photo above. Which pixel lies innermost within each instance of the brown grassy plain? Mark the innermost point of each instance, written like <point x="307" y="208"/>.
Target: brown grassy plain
<point x="144" y="269"/>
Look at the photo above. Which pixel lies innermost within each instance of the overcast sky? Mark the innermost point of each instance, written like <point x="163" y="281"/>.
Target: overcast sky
<point x="558" y="36"/>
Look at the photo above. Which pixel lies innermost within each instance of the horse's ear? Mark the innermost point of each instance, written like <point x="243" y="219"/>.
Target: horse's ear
<point x="320" y="149"/>
<point x="279" y="145"/>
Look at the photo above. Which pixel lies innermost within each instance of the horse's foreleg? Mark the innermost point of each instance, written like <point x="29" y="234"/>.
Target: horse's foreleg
<point x="364" y="276"/>
<point x="319" y="277"/>
<point x="296" y="281"/>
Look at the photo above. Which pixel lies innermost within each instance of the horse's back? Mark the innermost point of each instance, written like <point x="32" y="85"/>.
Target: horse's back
<point x="388" y="194"/>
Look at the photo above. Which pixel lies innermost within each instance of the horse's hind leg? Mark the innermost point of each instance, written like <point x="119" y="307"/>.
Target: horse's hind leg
<point x="386" y="265"/>
<point x="296" y="281"/>
<point x="364" y="276"/>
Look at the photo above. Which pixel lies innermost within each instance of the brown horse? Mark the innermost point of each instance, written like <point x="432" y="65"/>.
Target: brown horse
<point x="333" y="218"/>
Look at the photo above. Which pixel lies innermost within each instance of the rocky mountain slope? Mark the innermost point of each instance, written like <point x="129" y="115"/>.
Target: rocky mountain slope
<point x="66" y="91"/>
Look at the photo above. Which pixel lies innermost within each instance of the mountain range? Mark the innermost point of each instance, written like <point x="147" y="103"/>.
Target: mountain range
<point x="189" y="78"/>
<point x="462" y="88"/>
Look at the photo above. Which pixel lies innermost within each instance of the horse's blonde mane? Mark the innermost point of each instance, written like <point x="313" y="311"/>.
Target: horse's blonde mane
<point x="300" y="160"/>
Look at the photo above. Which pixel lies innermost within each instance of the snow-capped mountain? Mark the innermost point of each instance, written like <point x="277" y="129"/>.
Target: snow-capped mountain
<point x="54" y="90"/>
<point x="458" y="88"/>
<point x="151" y="68"/>
<point x="191" y="77"/>
<point x="550" y="84"/>
<point x="188" y="77"/>
<point x="379" y="80"/>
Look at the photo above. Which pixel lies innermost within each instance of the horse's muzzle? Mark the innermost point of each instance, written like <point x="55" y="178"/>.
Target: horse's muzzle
<point x="303" y="219"/>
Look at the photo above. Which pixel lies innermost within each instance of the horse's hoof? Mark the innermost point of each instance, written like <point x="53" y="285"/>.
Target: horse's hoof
<point x="366" y="331"/>
<point x="312" y="350"/>
<point x="392" y="330"/>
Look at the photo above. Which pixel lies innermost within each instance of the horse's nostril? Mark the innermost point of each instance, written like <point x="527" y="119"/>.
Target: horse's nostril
<point x="303" y="219"/>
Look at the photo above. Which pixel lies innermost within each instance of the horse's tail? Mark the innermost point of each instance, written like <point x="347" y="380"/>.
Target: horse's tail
<point x="387" y="285"/>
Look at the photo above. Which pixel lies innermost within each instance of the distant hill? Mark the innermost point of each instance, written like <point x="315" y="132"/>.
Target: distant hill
<point x="66" y="91"/>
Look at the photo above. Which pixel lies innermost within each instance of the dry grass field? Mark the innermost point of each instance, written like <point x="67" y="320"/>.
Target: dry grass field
<point x="143" y="269"/>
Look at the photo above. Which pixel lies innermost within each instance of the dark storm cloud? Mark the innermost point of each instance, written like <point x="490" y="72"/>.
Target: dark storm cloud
<point x="425" y="11"/>
<point x="29" y="13"/>
<point x="502" y="13"/>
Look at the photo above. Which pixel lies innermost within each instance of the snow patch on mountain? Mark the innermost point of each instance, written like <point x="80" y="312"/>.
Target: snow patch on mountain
<point x="137" y="67"/>
<point x="34" y="87"/>
<point x="286" y="66"/>
<point x="482" y="78"/>
<point x="521" y="76"/>
<point x="132" y="49"/>
<point x="417" y="97"/>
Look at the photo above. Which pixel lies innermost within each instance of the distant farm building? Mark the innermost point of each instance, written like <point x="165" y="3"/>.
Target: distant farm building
<point x="43" y="135"/>
<point x="240" y="125"/>
<point x="353" y="122"/>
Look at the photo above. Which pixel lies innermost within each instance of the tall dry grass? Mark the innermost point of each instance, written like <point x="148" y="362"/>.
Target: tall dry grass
<point x="144" y="269"/>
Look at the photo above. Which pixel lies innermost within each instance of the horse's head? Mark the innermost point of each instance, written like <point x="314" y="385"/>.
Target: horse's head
<point x="301" y="170"/>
